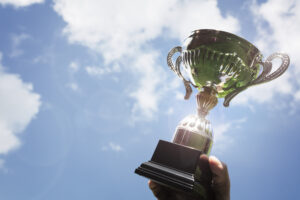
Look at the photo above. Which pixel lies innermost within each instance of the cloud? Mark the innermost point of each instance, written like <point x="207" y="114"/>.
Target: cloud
<point x="150" y="88"/>
<point x="73" y="86"/>
<point x="74" y="67"/>
<point x="18" y="106"/>
<point x="20" y="3"/>
<point x="122" y="32"/>
<point x="170" y="111"/>
<point x="134" y="23"/>
<point x="297" y="96"/>
<point x="99" y="71"/>
<point x="277" y="23"/>
<point x="16" y="42"/>
<point x="219" y="131"/>
<point x="112" y="146"/>
<point x="222" y="139"/>
<point x="179" y="95"/>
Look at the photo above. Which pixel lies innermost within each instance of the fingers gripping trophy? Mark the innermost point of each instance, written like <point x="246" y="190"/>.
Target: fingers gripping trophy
<point x="220" y="65"/>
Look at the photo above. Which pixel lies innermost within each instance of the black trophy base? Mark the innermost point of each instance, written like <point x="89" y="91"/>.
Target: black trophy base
<point x="180" y="168"/>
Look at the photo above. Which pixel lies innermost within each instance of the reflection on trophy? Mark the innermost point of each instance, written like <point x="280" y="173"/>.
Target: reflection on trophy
<point x="220" y="65"/>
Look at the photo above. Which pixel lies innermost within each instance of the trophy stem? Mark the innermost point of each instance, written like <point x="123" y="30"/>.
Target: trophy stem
<point x="194" y="130"/>
<point x="206" y="100"/>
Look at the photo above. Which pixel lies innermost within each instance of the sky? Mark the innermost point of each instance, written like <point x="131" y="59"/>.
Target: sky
<point x="86" y="94"/>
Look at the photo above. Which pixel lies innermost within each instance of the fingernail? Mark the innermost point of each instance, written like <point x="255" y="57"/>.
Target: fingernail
<point x="216" y="162"/>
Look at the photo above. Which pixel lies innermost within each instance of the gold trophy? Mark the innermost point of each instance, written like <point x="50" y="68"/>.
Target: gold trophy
<point x="220" y="65"/>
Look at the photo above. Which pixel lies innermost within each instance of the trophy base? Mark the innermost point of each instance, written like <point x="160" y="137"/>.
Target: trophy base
<point x="180" y="168"/>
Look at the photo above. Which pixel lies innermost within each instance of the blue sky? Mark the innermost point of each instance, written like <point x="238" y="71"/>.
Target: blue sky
<point x="85" y="95"/>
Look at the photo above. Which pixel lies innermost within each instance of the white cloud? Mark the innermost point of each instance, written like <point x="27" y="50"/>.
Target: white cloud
<point x="74" y="67"/>
<point x="115" y="147"/>
<point x="297" y="96"/>
<point x="170" y="111"/>
<point x="112" y="146"/>
<point x="278" y="30"/>
<point x="73" y="86"/>
<point x="222" y="138"/>
<point x="99" y="71"/>
<point x="179" y="95"/>
<point x="16" y="42"/>
<point x="18" y="106"/>
<point x="149" y="88"/>
<point x="219" y="131"/>
<point x="186" y="16"/>
<point x="122" y="32"/>
<point x="20" y="3"/>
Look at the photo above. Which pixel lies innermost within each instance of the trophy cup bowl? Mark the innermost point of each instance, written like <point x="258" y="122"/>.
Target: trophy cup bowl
<point x="220" y="65"/>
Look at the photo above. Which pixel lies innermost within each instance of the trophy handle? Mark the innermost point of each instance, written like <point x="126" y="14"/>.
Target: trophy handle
<point x="176" y="69"/>
<point x="267" y="67"/>
<point x="264" y="76"/>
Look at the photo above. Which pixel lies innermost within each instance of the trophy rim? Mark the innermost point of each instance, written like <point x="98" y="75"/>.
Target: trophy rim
<point x="216" y="33"/>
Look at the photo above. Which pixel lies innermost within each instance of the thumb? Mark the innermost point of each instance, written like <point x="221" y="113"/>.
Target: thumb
<point x="221" y="182"/>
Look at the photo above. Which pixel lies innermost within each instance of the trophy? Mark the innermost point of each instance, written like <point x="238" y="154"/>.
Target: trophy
<point x="220" y="65"/>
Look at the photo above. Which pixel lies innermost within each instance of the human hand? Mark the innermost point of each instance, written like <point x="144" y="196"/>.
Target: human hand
<point x="220" y="184"/>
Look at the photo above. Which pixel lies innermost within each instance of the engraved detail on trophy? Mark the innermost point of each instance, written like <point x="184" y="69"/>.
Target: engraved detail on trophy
<point x="206" y="100"/>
